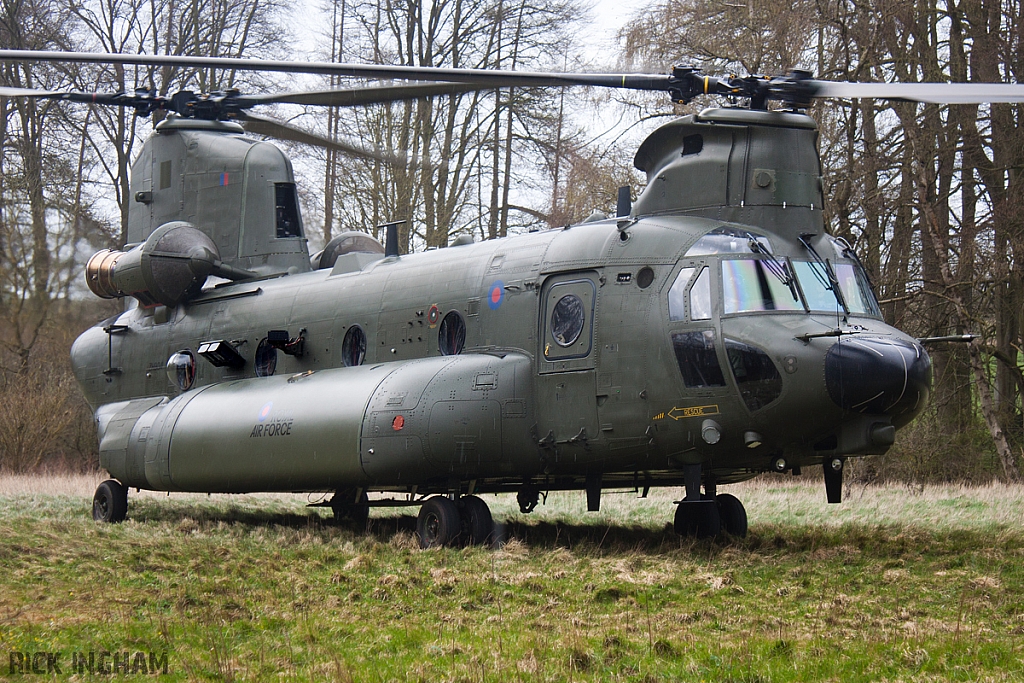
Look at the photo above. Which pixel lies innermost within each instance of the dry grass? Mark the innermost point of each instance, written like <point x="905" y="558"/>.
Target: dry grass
<point x="894" y="584"/>
<point x="776" y="499"/>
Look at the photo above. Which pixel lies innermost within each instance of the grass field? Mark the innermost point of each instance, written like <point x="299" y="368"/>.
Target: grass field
<point x="896" y="583"/>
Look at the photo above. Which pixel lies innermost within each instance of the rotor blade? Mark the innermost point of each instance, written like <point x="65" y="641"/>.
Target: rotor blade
<point x="352" y="97"/>
<point x="283" y="131"/>
<point x="932" y="93"/>
<point x="484" y="78"/>
<point x="118" y="99"/>
<point x="27" y="92"/>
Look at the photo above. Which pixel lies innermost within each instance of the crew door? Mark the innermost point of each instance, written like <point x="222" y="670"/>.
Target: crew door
<point x="567" y="384"/>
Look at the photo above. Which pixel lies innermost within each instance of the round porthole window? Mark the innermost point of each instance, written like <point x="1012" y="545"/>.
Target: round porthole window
<point x="451" y="335"/>
<point x="266" y="359"/>
<point x="645" y="277"/>
<point x="181" y="369"/>
<point x="567" y="319"/>
<point x="353" y="347"/>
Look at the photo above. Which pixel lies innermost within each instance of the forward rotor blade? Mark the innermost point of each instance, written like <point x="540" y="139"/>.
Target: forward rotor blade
<point x="484" y="78"/>
<point x="353" y="97"/>
<point x="932" y="93"/>
<point x="283" y="131"/>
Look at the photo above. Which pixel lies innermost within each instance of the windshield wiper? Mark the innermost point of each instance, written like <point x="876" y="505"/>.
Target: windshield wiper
<point x="832" y="282"/>
<point x="774" y="266"/>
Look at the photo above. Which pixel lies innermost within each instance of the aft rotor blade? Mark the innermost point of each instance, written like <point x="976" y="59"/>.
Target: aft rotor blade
<point x="117" y="99"/>
<point x="283" y="131"/>
<point x="353" y="97"/>
<point x="931" y="93"/>
<point x="484" y="78"/>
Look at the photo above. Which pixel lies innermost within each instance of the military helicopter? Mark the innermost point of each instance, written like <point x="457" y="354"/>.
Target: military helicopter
<point x="713" y="330"/>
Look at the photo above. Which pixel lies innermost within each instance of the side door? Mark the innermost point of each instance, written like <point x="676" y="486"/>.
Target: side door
<point x="567" y="377"/>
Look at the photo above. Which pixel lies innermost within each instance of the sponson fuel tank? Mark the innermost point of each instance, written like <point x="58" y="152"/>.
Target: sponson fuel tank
<point x="430" y="419"/>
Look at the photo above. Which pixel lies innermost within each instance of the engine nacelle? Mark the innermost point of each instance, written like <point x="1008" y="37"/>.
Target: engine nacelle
<point x="169" y="268"/>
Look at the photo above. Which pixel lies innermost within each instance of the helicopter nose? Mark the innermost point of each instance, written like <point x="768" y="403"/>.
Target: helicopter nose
<point x="879" y="376"/>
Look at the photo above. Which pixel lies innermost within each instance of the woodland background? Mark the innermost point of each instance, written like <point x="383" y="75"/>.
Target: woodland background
<point x="931" y="196"/>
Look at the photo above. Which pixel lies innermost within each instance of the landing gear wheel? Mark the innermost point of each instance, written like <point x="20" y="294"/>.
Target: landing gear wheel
<point x="734" y="516"/>
<point x="439" y="523"/>
<point x="698" y="519"/>
<point x="477" y="523"/>
<point x="110" y="504"/>
<point x="347" y="509"/>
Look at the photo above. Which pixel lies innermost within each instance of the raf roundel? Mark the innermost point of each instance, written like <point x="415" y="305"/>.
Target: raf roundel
<point x="496" y="295"/>
<point x="265" y="411"/>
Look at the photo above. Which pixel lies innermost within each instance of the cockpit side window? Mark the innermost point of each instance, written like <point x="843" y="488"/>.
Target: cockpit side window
<point x="698" y="361"/>
<point x="700" y="296"/>
<point x="677" y="294"/>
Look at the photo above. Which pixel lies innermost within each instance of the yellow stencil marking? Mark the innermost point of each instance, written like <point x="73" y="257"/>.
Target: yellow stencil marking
<point x="678" y="413"/>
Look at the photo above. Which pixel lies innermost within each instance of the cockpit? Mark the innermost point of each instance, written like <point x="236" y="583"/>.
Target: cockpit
<point x="754" y="280"/>
<point x="732" y="273"/>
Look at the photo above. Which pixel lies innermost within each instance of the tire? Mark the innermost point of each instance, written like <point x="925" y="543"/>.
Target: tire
<point x="110" y="504"/>
<point x="733" y="514"/>
<point x="477" y="523"/>
<point x="439" y="523"/>
<point x="346" y="511"/>
<point x="698" y="519"/>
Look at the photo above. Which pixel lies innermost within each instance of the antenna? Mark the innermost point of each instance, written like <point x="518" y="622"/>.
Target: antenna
<point x="391" y="241"/>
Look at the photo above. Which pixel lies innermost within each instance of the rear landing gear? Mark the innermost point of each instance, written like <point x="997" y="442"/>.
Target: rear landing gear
<point x="439" y="523"/>
<point x="477" y="523"/>
<point x="445" y="523"/>
<point x="110" y="504"/>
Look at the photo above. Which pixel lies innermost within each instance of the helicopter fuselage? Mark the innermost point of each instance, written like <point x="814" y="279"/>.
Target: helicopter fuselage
<point x="616" y="394"/>
<point x="714" y="333"/>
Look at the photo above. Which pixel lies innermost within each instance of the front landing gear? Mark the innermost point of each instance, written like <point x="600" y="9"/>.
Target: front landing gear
<point x="734" y="516"/>
<point x="110" y="504"/>
<point x="707" y="518"/>
<point x="698" y="519"/>
<point x="709" y="514"/>
<point x="444" y="522"/>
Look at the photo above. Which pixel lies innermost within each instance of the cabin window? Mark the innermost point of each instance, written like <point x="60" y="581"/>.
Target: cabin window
<point x="265" y="360"/>
<point x="748" y="285"/>
<point x="286" y="209"/>
<point x="756" y="376"/>
<point x="451" y="334"/>
<point x="698" y="361"/>
<point x="353" y="347"/>
<point x="567" y="320"/>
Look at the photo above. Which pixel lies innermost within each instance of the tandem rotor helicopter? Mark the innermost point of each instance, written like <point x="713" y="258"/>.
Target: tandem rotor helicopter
<point x="711" y="331"/>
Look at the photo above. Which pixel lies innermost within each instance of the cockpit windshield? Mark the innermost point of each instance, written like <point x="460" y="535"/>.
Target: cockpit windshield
<point x="753" y="279"/>
<point x="748" y="285"/>
<point x="853" y="283"/>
